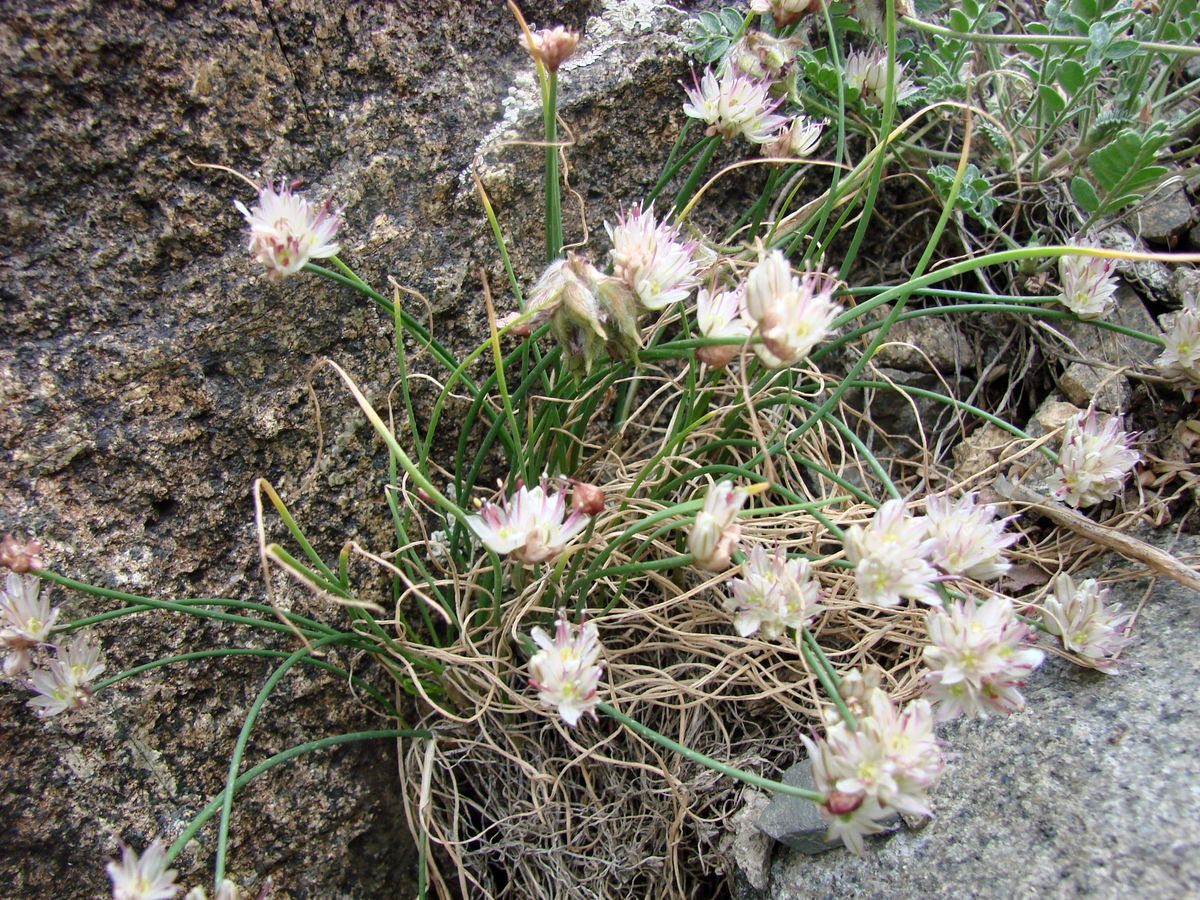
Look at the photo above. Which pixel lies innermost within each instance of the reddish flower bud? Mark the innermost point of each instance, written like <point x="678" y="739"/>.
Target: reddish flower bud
<point x="586" y="498"/>
<point x="20" y="556"/>
<point x="842" y="804"/>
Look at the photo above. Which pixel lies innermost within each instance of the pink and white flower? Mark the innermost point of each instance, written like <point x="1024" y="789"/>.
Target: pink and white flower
<point x="553" y="46"/>
<point x="715" y="533"/>
<point x="26" y="617"/>
<point x="791" y="314"/>
<point x="143" y="878"/>
<point x="867" y="73"/>
<point x="796" y="140"/>
<point x="1080" y="614"/>
<point x="1180" y="359"/>
<point x="734" y="104"/>
<point x="286" y="231"/>
<point x="774" y="593"/>
<point x="63" y="684"/>
<point x="890" y="556"/>
<point x="652" y="258"/>
<point x="1088" y="285"/>
<point x="532" y="525"/>
<point x="967" y="538"/>
<point x="566" y="671"/>
<point x="978" y="658"/>
<point x="719" y="314"/>
<point x="1094" y="461"/>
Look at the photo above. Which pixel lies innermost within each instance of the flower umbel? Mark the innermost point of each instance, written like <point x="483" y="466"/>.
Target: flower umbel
<point x="796" y="140"/>
<point x="1079" y="613"/>
<point x="26" y="617"/>
<point x="1180" y="359"/>
<point x="532" y="525"/>
<point x="63" y="684"/>
<point x="967" y="539"/>
<point x="791" y="314"/>
<point x="143" y="878"/>
<point x="977" y="658"/>
<point x="1088" y="285"/>
<point x="553" y="46"/>
<point x="652" y="258"/>
<point x="734" y="104"/>
<point x="773" y="594"/>
<point x="867" y="73"/>
<point x="889" y="556"/>
<point x="715" y="533"/>
<point x="286" y="231"/>
<point x="1093" y="462"/>
<point x="20" y="556"/>
<point x="720" y="314"/>
<point x="566" y="671"/>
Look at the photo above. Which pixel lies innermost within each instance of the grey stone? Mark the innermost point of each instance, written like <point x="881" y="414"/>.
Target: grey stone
<point x="1166" y="217"/>
<point x="1091" y="791"/>
<point x="1185" y="285"/>
<point x="1152" y="277"/>
<point x="149" y="372"/>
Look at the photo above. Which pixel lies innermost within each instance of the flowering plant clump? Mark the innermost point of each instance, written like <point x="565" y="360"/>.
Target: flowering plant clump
<point x="532" y="525"/>
<point x="978" y="658"/>
<point x="1094" y="461"/>
<point x="1080" y="614"/>
<point x="286" y="231"/>
<point x="566" y="671"/>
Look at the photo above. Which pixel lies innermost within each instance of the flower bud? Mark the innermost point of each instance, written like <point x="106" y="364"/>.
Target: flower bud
<point x="841" y="804"/>
<point x="20" y="556"/>
<point x="553" y="46"/>
<point x="586" y="499"/>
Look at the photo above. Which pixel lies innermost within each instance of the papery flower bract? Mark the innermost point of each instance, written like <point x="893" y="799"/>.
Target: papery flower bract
<point x="785" y="12"/>
<point x="1079" y="613"/>
<point x="26" y="619"/>
<point x="286" y="231"/>
<point x="1093" y="462"/>
<point x="566" y="671"/>
<point x="532" y="525"/>
<point x="63" y="683"/>
<point x="715" y="533"/>
<point x="1180" y="359"/>
<point x="772" y="594"/>
<point x="553" y="46"/>
<point x="796" y="140"/>
<point x="760" y="56"/>
<point x="652" y="258"/>
<point x="143" y="878"/>
<point x="889" y="557"/>
<point x="791" y="314"/>
<point x="720" y="314"/>
<point x="734" y="104"/>
<point x="1088" y="285"/>
<point x="977" y="658"/>
<point x="867" y="73"/>
<point x="967" y="539"/>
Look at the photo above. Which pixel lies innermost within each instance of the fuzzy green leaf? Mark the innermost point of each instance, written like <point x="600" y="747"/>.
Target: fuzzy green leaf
<point x="1084" y="194"/>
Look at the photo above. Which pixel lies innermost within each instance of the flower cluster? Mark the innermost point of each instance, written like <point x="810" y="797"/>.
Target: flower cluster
<point x="890" y="557"/>
<point x="967" y="538"/>
<point x="27" y="618"/>
<point x="143" y="878"/>
<point x="566" y="671"/>
<point x="552" y="46"/>
<point x="1088" y="285"/>
<point x="20" y="556"/>
<point x="796" y="140"/>
<point x="790" y="314"/>
<point x="532" y="525"/>
<point x="652" y="258"/>
<point x="884" y="766"/>
<point x="721" y="314"/>
<point x="286" y="231"/>
<point x="759" y="56"/>
<point x="1180" y="359"/>
<point x="773" y="594"/>
<point x="714" y="536"/>
<point x="1087" y="624"/>
<point x="977" y="658"/>
<point x="733" y="104"/>
<point x="63" y="683"/>
<point x="867" y="74"/>
<point x="1093" y="462"/>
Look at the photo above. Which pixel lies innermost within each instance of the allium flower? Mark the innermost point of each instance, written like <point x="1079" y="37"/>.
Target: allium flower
<point x="889" y="557"/>
<point x="797" y="139"/>
<point x="773" y="594"/>
<point x="1088" y="625"/>
<point x="884" y="766"/>
<point x="1093" y="462"/>
<point x="26" y="619"/>
<point x="1180" y="358"/>
<point x="286" y="231"/>
<point x="227" y="891"/>
<point x="715" y="534"/>
<point x="791" y="315"/>
<point x="63" y="684"/>
<point x="720" y="314"/>
<point x="867" y="73"/>
<point x="967" y="539"/>
<point x="785" y="12"/>
<point x="760" y="56"/>
<point x="1088" y="285"/>
<point x="144" y="878"/>
<point x="529" y="525"/>
<point x="977" y="658"/>
<point x="734" y="104"/>
<point x="553" y="46"/>
<point x="566" y="670"/>
<point x="652" y="258"/>
<point x="20" y="556"/>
